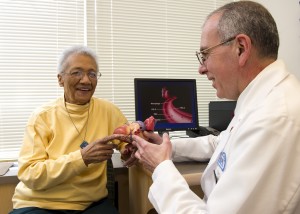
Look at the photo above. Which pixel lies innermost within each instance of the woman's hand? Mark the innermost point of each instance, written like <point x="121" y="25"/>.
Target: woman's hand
<point x="97" y="151"/>
<point x="102" y="149"/>
<point x="127" y="155"/>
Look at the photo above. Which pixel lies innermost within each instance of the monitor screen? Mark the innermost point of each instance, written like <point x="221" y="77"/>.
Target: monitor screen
<point x="173" y="103"/>
<point x="220" y="114"/>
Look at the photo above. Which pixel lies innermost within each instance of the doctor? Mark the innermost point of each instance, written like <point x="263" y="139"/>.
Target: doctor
<point x="254" y="164"/>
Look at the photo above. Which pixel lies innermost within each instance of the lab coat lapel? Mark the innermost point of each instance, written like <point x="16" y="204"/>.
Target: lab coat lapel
<point x="208" y="180"/>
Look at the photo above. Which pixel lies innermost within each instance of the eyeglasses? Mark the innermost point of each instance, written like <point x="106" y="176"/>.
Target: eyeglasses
<point x="78" y="74"/>
<point x="203" y="55"/>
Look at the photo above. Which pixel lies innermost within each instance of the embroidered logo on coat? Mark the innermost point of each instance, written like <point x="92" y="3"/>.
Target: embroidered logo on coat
<point x="222" y="161"/>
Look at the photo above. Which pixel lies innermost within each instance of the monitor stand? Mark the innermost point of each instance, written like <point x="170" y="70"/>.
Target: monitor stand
<point x="202" y="131"/>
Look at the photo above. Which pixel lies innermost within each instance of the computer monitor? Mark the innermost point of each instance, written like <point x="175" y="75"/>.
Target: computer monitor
<point x="220" y="114"/>
<point x="173" y="103"/>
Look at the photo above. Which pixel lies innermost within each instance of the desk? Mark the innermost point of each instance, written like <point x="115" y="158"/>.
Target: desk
<point x="10" y="180"/>
<point x="140" y="181"/>
<point x="121" y="177"/>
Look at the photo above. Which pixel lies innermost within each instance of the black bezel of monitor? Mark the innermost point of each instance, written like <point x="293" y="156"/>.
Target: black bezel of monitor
<point x="151" y="94"/>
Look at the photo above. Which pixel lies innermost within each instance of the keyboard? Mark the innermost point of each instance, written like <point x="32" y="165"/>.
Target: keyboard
<point x="202" y="131"/>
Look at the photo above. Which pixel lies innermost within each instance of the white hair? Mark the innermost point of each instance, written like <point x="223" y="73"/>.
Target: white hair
<point x="78" y="49"/>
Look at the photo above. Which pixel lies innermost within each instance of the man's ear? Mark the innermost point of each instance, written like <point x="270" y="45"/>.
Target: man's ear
<point x="244" y="48"/>
<point x="241" y="50"/>
<point x="60" y="80"/>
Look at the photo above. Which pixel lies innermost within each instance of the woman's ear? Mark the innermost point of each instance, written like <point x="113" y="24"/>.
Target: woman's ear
<point x="60" y="80"/>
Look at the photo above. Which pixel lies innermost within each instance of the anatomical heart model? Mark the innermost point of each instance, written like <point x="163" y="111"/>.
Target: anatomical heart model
<point x="124" y="133"/>
<point x="136" y="127"/>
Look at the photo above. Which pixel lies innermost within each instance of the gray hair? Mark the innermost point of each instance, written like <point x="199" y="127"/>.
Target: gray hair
<point x="252" y="19"/>
<point x="78" y="49"/>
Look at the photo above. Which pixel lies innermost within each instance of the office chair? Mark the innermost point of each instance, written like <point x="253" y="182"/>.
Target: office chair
<point x="110" y="185"/>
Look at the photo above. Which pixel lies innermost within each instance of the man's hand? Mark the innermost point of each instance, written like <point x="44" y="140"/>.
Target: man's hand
<point x="128" y="154"/>
<point x="151" y="155"/>
<point x="153" y="137"/>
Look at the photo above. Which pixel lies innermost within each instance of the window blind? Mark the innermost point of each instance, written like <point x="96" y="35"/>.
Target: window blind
<point x="32" y="35"/>
<point x="148" y="39"/>
<point x="132" y="38"/>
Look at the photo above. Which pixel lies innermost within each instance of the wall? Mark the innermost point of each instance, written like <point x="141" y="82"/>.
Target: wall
<point x="287" y="17"/>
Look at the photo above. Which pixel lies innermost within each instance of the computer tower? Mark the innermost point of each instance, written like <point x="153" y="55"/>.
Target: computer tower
<point x="220" y="114"/>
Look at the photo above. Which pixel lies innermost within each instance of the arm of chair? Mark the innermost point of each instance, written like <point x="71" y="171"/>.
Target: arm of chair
<point x="110" y="185"/>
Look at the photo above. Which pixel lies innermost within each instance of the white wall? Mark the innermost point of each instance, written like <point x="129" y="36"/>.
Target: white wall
<point x="287" y="16"/>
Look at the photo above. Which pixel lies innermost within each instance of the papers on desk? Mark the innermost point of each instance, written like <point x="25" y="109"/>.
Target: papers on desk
<point x="178" y="134"/>
<point x="4" y="167"/>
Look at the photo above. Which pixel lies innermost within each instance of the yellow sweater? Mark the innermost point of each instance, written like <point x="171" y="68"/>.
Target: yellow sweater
<point x="51" y="170"/>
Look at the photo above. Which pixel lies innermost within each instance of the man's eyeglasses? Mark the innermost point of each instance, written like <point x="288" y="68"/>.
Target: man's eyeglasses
<point x="93" y="75"/>
<point x="203" y="55"/>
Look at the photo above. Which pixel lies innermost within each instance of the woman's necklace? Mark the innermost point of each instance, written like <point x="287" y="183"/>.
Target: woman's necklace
<point x="84" y="142"/>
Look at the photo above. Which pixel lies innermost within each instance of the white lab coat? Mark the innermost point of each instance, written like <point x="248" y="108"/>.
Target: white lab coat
<point x="256" y="160"/>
